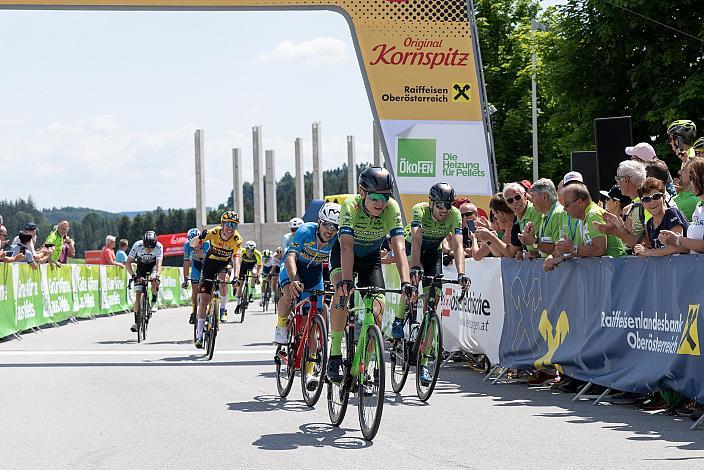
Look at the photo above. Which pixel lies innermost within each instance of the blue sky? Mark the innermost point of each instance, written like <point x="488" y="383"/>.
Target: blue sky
<point x="99" y="107"/>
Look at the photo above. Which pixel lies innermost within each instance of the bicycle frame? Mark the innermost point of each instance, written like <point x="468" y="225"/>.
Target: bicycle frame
<point x="304" y="330"/>
<point x="361" y="346"/>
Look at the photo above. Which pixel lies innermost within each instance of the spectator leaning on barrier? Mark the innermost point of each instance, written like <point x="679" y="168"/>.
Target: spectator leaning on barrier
<point x="5" y="245"/>
<point x="62" y="244"/>
<point x="24" y="248"/>
<point x="526" y="216"/>
<point x="686" y="200"/>
<point x="652" y="195"/>
<point x="492" y="235"/>
<point x="629" y="177"/>
<point x="121" y="255"/>
<point x="6" y="248"/>
<point x="579" y="237"/>
<point x="547" y="233"/>
<point x="107" y="256"/>
<point x="694" y="240"/>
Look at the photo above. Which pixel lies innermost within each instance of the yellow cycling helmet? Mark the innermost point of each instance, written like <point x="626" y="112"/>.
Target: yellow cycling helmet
<point x="230" y="216"/>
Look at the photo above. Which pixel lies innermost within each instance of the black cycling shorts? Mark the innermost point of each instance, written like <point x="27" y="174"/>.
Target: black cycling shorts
<point x="431" y="261"/>
<point x="245" y="267"/>
<point x="145" y="268"/>
<point x="367" y="268"/>
<point x="211" y="268"/>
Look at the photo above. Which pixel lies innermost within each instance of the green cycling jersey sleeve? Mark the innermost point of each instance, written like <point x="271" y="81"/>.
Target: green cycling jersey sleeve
<point x="434" y="231"/>
<point x="369" y="232"/>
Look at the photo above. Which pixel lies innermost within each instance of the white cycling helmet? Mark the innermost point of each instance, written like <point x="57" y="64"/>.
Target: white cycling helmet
<point x="330" y="212"/>
<point x="250" y="245"/>
<point x="295" y="223"/>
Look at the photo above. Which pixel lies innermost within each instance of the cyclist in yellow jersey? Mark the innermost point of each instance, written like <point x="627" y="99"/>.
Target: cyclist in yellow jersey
<point x="221" y="257"/>
<point x="251" y="261"/>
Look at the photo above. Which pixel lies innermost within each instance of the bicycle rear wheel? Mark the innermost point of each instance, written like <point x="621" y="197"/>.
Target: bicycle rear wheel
<point x="400" y="364"/>
<point x="143" y="312"/>
<point x="286" y="362"/>
<point x="429" y="355"/>
<point x="213" y="316"/>
<point x="316" y="358"/>
<point x="339" y="392"/>
<point x="371" y="383"/>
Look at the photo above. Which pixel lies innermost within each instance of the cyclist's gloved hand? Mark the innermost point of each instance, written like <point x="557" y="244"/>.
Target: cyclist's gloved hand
<point x="416" y="274"/>
<point x="184" y="285"/>
<point x="297" y="287"/>
<point x="236" y="283"/>
<point x="409" y="290"/>
<point x="344" y="287"/>
<point x="464" y="281"/>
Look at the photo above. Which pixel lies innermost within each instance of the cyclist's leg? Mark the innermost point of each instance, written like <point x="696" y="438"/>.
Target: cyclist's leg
<point x="210" y="270"/>
<point x="312" y="279"/>
<point x="223" y="276"/>
<point x="195" y="280"/>
<point x="432" y="266"/>
<point x="370" y="273"/>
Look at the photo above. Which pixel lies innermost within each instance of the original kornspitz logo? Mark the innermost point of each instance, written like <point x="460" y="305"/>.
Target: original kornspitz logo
<point x="416" y="157"/>
<point x="415" y="52"/>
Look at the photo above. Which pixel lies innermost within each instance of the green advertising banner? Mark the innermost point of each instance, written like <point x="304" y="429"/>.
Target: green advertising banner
<point x="29" y="310"/>
<point x="87" y="284"/>
<point x="57" y="285"/>
<point x="113" y="293"/>
<point x="392" y="280"/>
<point x="7" y="301"/>
<point x="170" y="289"/>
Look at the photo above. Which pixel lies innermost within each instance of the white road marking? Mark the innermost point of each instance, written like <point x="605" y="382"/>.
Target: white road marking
<point x="146" y="352"/>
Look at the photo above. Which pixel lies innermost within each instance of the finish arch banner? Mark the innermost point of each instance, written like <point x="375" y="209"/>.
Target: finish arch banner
<point x="420" y="62"/>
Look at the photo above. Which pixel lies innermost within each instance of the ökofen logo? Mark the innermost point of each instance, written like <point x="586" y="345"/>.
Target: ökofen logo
<point x="416" y="157"/>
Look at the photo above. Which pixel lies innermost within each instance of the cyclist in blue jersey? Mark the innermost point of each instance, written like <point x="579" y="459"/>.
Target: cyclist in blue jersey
<point x="192" y="266"/>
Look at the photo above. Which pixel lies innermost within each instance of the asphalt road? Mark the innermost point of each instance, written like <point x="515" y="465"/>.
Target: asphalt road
<point x="86" y="395"/>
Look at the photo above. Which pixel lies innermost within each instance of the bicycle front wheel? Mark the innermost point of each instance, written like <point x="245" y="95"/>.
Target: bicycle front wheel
<point x="286" y="362"/>
<point x="213" y="317"/>
<point x="429" y="355"/>
<point x="339" y="392"/>
<point x="400" y="364"/>
<point x="314" y="361"/>
<point x="371" y="383"/>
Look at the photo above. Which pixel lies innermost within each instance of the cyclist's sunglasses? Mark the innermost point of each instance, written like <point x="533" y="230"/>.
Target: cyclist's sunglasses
<point x="232" y="225"/>
<point x="442" y="204"/>
<point x="377" y="197"/>
<point x="328" y="226"/>
<point x="654" y="197"/>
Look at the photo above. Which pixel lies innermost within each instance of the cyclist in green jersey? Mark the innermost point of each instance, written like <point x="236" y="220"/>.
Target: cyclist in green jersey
<point x="431" y="223"/>
<point x="364" y="222"/>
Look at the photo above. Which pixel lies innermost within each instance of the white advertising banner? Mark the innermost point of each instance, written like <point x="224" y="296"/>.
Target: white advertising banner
<point x="475" y="324"/>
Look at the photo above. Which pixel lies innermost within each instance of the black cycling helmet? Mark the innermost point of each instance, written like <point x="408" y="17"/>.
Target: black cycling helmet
<point x="441" y="192"/>
<point x="376" y="179"/>
<point x="149" y="239"/>
<point x="683" y="128"/>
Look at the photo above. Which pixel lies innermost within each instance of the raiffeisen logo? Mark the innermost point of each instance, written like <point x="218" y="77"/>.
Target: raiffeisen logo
<point x="416" y="157"/>
<point x="415" y="52"/>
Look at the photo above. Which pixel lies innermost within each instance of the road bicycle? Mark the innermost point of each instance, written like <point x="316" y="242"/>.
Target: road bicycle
<point x="422" y="343"/>
<point x="306" y="350"/>
<point x="212" y="317"/>
<point x="267" y="294"/>
<point x="142" y="319"/>
<point x="363" y="369"/>
<point x="243" y="299"/>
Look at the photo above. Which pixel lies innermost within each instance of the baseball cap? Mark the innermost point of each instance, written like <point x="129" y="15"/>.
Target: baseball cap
<point x="30" y="226"/>
<point x="572" y="177"/>
<point x="615" y="193"/>
<point x="526" y="184"/>
<point x="642" y="150"/>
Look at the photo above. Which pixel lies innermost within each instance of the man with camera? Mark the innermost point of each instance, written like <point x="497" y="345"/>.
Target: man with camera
<point x="23" y="251"/>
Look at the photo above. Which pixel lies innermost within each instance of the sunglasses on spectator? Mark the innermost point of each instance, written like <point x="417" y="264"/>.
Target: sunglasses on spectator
<point x="442" y="204"/>
<point x="654" y="197"/>
<point x="511" y="200"/>
<point x="378" y="197"/>
<point x="328" y="225"/>
<point x="619" y="178"/>
<point x="468" y="214"/>
<point x="230" y="225"/>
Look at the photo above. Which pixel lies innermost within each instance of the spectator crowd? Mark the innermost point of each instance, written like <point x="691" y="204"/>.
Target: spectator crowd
<point x="57" y="248"/>
<point x="646" y="212"/>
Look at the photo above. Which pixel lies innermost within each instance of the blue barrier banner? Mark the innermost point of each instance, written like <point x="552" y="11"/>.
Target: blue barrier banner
<point x="630" y="324"/>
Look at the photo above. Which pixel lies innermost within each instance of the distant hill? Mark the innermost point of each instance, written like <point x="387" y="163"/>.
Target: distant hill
<point x="74" y="214"/>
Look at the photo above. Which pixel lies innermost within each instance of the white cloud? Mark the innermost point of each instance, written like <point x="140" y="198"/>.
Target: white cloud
<point x="322" y="50"/>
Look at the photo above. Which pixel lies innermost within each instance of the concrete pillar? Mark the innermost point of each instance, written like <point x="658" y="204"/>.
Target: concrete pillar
<point x="201" y="211"/>
<point x="257" y="183"/>
<point x="317" y="156"/>
<point x="270" y="180"/>
<point x="300" y="186"/>
<point x="237" y="196"/>
<point x="351" y="166"/>
<point x="378" y="160"/>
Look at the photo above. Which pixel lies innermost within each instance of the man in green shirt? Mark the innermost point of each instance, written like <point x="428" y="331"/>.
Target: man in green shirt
<point x="581" y="238"/>
<point x="547" y="233"/>
<point x="517" y="199"/>
<point x="686" y="200"/>
<point x="56" y="239"/>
